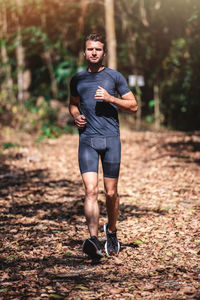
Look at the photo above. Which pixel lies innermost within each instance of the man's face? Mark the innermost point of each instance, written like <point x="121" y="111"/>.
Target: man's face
<point x="94" y="52"/>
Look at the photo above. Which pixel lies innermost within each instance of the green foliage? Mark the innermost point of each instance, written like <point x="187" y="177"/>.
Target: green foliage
<point x="152" y="103"/>
<point x="49" y="131"/>
<point x="63" y="70"/>
<point x="149" y="119"/>
<point x="8" y="145"/>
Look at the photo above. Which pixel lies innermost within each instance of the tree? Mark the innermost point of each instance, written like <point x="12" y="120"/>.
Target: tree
<point x="110" y="33"/>
<point x="7" y="84"/>
<point x="81" y="22"/>
<point x="20" y="50"/>
<point x="47" y="55"/>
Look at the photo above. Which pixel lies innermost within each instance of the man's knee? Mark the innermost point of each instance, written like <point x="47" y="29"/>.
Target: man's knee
<point x="111" y="194"/>
<point x="91" y="190"/>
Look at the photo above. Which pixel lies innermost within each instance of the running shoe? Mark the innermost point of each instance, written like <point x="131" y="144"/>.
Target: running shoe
<point x="92" y="247"/>
<point x="112" y="246"/>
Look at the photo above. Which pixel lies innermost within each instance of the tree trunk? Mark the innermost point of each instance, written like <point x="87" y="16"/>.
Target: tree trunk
<point x="6" y="68"/>
<point x="143" y="13"/>
<point x="47" y="57"/>
<point x="132" y="57"/>
<point x="110" y="33"/>
<point x="20" y="64"/>
<point x="156" y="107"/>
<point x="131" y="45"/>
<point x="81" y="23"/>
<point x="20" y="54"/>
<point x="139" y="102"/>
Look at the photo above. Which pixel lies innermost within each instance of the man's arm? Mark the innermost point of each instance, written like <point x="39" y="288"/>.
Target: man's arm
<point x="127" y="103"/>
<point x="74" y="105"/>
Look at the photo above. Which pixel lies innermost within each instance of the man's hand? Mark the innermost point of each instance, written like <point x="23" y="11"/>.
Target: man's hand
<point x="102" y="94"/>
<point x="80" y="121"/>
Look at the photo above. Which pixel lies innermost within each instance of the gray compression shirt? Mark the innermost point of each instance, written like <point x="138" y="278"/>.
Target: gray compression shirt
<point x="102" y="117"/>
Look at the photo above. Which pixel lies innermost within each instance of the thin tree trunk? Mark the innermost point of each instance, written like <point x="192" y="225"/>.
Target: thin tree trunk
<point x="20" y="64"/>
<point x="20" y="53"/>
<point x="156" y="107"/>
<point x="143" y="13"/>
<point x="81" y="22"/>
<point x="132" y="55"/>
<point x="110" y="33"/>
<point x="139" y="111"/>
<point x="8" y="84"/>
<point x="48" y="59"/>
<point x="145" y="22"/>
<point x="131" y="44"/>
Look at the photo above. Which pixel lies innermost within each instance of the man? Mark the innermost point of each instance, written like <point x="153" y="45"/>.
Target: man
<point x="94" y="106"/>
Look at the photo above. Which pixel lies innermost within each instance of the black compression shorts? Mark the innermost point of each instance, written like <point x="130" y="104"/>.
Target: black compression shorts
<point x="108" y="148"/>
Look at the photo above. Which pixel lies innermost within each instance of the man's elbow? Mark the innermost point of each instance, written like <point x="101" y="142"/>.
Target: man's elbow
<point x="69" y="108"/>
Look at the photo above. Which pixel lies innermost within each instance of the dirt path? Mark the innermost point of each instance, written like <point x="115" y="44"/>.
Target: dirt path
<point x="42" y="222"/>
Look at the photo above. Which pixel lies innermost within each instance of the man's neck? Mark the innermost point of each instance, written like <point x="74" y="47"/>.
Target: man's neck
<point x="93" y="68"/>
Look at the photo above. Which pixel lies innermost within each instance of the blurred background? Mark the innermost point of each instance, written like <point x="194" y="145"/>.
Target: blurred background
<point x="155" y="44"/>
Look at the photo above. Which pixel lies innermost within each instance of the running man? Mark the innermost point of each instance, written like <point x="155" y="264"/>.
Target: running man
<point x="94" y="105"/>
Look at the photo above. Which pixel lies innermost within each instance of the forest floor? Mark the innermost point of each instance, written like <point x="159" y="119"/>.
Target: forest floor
<point x="43" y="226"/>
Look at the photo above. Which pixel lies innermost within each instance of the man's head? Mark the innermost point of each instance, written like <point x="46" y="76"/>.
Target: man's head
<point x="95" y="49"/>
<point x="95" y="37"/>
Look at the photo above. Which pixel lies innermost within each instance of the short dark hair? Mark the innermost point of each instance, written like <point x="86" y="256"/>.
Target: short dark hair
<point x="96" y="38"/>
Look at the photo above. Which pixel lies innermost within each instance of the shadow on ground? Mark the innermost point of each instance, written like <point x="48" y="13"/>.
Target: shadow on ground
<point x="183" y="150"/>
